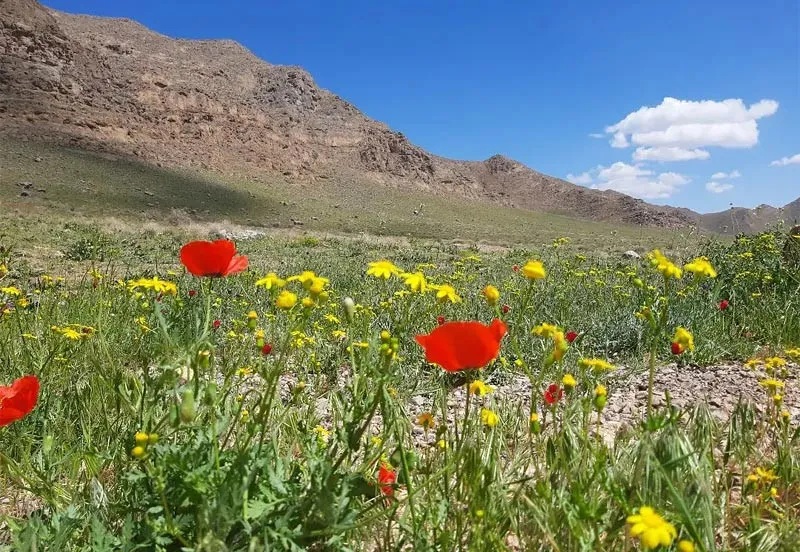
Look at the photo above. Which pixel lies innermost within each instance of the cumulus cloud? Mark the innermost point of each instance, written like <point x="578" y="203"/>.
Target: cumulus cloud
<point x="583" y="179"/>
<point x="718" y="187"/>
<point x="669" y="154"/>
<point x="723" y="175"/>
<point x="783" y="161"/>
<point x="597" y="135"/>
<point x="633" y="180"/>
<point x="688" y="124"/>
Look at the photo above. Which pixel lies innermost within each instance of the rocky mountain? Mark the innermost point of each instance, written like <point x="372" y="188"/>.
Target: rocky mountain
<point x="113" y="85"/>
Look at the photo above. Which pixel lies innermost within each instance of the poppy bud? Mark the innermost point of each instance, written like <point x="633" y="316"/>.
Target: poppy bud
<point x="571" y="336"/>
<point x="47" y="444"/>
<point x="349" y="309"/>
<point x="723" y="305"/>
<point x="266" y="349"/>
<point x="217" y="324"/>
<point x="440" y="320"/>
<point x="210" y="394"/>
<point x="192" y="292"/>
<point x="506" y="308"/>
<point x="187" y="410"/>
<point x="204" y="358"/>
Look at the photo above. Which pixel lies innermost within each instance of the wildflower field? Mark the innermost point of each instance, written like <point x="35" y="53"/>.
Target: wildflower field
<point x="335" y="395"/>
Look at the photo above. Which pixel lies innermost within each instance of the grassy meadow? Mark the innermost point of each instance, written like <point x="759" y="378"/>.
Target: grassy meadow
<point x="291" y="406"/>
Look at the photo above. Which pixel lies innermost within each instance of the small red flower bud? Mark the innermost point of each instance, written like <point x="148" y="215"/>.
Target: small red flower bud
<point x="192" y="292"/>
<point x="677" y="349"/>
<point x="571" y="336"/>
<point x="266" y="349"/>
<point x="506" y="308"/>
<point x="217" y="324"/>
<point x="515" y="268"/>
<point x="723" y="304"/>
<point x="440" y="320"/>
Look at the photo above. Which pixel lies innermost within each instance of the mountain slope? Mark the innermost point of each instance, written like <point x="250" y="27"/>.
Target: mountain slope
<point x="113" y="85"/>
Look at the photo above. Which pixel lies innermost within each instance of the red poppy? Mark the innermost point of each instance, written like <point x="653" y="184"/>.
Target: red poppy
<point x="266" y="349"/>
<point x="506" y="308"/>
<point x="571" y="336"/>
<point x="215" y="259"/>
<point x="723" y="304"/>
<point x="440" y="320"/>
<point x="17" y="400"/>
<point x="217" y="324"/>
<point x="677" y="348"/>
<point x="387" y="477"/>
<point x="553" y="394"/>
<point x="463" y="345"/>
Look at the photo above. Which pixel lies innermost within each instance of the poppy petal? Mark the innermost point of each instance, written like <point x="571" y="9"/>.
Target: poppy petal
<point x="236" y="265"/>
<point x="201" y="259"/>
<point x="463" y="345"/>
<point x="19" y="399"/>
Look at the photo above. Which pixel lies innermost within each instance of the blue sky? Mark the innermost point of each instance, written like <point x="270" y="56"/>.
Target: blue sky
<point x="533" y="80"/>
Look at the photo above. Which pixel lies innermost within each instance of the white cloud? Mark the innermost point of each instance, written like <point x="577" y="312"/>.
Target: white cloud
<point x="583" y="179"/>
<point x="691" y="124"/>
<point x="619" y="140"/>
<point x="718" y="187"/>
<point x="783" y="161"/>
<point x="635" y="180"/>
<point x="669" y="154"/>
<point x="722" y="175"/>
<point x="597" y="135"/>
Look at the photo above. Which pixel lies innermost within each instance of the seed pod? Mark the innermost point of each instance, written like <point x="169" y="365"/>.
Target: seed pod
<point x="187" y="411"/>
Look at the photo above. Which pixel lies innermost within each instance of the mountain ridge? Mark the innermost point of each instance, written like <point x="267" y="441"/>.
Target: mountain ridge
<point x="112" y="84"/>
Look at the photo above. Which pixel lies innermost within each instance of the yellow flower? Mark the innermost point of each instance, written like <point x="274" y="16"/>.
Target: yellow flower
<point x="252" y="315"/>
<point x="307" y="302"/>
<point x="23" y="302"/>
<point x="140" y="438"/>
<point x="442" y="444"/>
<point x="270" y="281"/>
<point x="286" y="300"/>
<point x="773" y="363"/>
<point x="332" y="318"/>
<point x="159" y="286"/>
<point x="762" y="475"/>
<point x="3" y="270"/>
<point x="794" y="354"/>
<point x="595" y="364"/>
<point x="534" y="270"/>
<point x="426" y="421"/>
<point x="560" y="346"/>
<point x="701" y="268"/>
<point x="383" y="269"/>
<point x="753" y="363"/>
<point x="376" y="441"/>
<point x="685" y="546"/>
<point x="11" y="291"/>
<point x="477" y="387"/>
<point x="684" y="339"/>
<point x="600" y="390"/>
<point x="446" y="292"/>
<point x="322" y="434"/>
<point x="68" y="332"/>
<point x="651" y="529"/>
<point x="489" y="418"/>
<point x="138" y="452"/>
<point x="771" y="385"/>
<point x="664" y="265"/>
<point x="338" y="334"/>
<point x="492" y="294"/>
<point x="569" y="381"/>
<point x="317" y="286"/>
<point x="415" y="281"/>
<point x="545" y="330"/>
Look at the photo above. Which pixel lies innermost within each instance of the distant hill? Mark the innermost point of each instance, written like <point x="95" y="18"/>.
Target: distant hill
<point x="113" y="85"/>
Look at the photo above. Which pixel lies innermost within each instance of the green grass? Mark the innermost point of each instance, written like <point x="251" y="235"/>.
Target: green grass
<point x="247" y="458"/>
<point x="92" y="186"/>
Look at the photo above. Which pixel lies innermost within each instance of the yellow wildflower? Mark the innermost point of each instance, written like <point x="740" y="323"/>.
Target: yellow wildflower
<point x="415" y="281"/>
<point x="701" y="268"/>
<point x="11" y="291"/>
<point x="773" y="363"/>
<point x="492" y="294"/>
<point x="771" y="385"/>
<point x="383" y="269"/>
<point x="534" y="270"/>
<point x="685" y="546"/>
<point x="286" y="300"/>
<point x="307" y="302"/>
<point x="477" y="387"/>
<point x="426" y="421"/>
<point x="154" y="284"/>
<point x="332" y="318"/>
<point x="683" y="339"/>
<point x="569" y="382"/>
<point x="651" y="529"/>
<point x="322" y="434"/>
<point x="270" y="281"/>
<point x="446" y="292"/>
<point x="489" y="418"/>
<point x="595" y="364"/>
<point x="794" y="354"/>
<point x="664" y="265"/>
<point x="545" y="330"/>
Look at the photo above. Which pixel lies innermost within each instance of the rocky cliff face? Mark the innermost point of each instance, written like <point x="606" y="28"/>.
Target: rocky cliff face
<point x="113" y="85"/>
